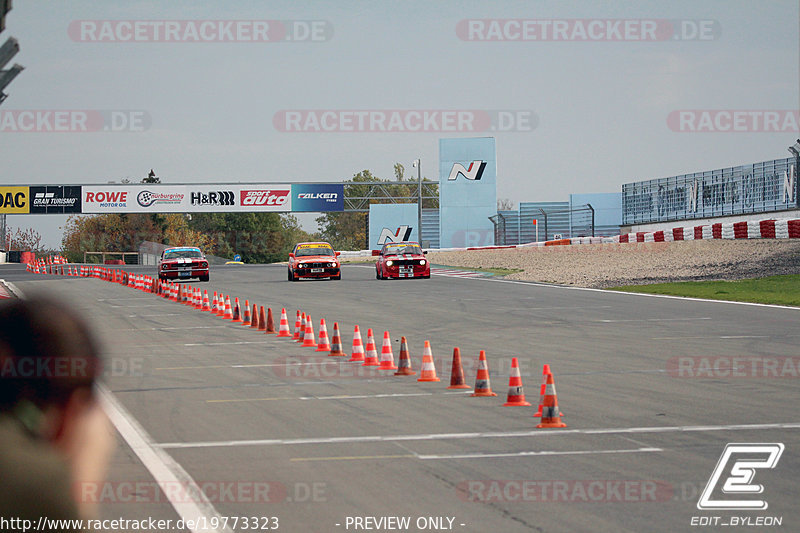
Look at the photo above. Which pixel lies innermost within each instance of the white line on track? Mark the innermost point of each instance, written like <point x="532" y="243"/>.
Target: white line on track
<point x="150" y="316"/>
<point x="654" y="319"/>
<point x="338" y="397"/>
<point x="164" y="469"/>
<point x="483" y="435"/>
<point x="533" y="454"/>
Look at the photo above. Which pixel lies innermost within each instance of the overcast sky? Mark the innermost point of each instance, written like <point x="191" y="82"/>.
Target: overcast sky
<point x="594" y="96"/>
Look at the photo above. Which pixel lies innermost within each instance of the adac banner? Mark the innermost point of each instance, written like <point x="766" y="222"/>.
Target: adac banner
<point x="317" y="197"/>
<point x="54" y="199"/>
<point x="222" y="198"/>
<point x="14" y="200"/>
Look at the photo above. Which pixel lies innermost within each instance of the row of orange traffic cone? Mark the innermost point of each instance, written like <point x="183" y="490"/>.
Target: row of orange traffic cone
<point x="303" y="333"/>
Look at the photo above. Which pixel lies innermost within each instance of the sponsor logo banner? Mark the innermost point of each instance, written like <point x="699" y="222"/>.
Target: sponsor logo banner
<point x="14" y="200"/>
<point x="266" y="198"/>
<point x="55" y="199"/>
<point x="150" y="198"/>
<point x="317" y="197"/>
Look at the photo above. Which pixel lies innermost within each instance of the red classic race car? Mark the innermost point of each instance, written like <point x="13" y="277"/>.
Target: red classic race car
<point x="314" y="260"/>
<point x="183" y="262"/>
<point x="402" y="260"/>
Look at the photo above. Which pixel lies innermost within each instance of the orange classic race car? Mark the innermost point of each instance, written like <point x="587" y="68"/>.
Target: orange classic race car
<point x="402" y="260"/>
<point x="314" y="260"/>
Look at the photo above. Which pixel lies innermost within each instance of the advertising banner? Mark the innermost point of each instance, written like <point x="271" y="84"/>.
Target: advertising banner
<point x="52" y="199"/>
<point x="150" y="198"/>
<point x="392" y="223"/>
<point x="14" y="200"/>
<point x="467" y="191"/>
<point x="317" y="197"/>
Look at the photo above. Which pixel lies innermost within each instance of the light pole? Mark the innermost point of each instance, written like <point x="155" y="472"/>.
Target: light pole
<point x="795" y="150"/>
<point x="418" y="166"/>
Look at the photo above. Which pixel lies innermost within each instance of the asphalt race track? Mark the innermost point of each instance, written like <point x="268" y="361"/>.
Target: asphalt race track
<point x="273" y="429"/>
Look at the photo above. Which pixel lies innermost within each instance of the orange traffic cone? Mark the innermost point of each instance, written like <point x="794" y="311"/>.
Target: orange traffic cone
<point x="283" y="327"/>
<point x="302" y="328"/>
<point x="262" y="320"/>
<point x="198" y="297"/>
<point x="206" y="303"/>
<point x="270" y="328"/>
<point x="428" y="369"/>
<point x="254" y="318"/>
<point x="358" y="346"/>
<point x="237" y="311"/>
<point x="336" y="343"/>
<point x="545" y="372"/>
<point x="175" y="292"/>
<point x="371" y="358"/>
<point x="550" y="412"/>
<point x="246" y="320"/>
<point x="387" y="357"/>
<point x="457" y="380"/>
<point x="404" y="368"/>
<point x="515" y="394"/>
<point x="221" y="306"/>
<point x="482" y="385"/>
<point x="324" y="344"/>
<point x="227" y="313"/>
<point x="308" y="337"/>
<point x="214" y="303"/>
<point x="297" y="330"/>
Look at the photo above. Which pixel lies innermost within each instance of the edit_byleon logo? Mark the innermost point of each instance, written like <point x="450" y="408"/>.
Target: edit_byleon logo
<point x="744" y="459"/>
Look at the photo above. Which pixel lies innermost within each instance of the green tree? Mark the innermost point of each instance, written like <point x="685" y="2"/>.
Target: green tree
<point x="348" y="231"/>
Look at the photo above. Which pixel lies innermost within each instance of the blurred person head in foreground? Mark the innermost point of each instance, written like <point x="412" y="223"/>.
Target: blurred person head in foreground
<point x="54" y="436"/>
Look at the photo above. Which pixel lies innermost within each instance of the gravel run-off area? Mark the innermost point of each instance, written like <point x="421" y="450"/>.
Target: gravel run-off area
<point x="610" y="265"/>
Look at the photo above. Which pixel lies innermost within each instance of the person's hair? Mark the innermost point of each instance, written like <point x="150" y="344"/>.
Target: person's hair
<point x="46" y="352"/>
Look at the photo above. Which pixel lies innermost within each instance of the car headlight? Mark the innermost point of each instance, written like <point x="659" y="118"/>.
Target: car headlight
<point x="422" y="262"/>
<point x="331" y="264"/>
<point x="389" y="263"/>
<point x="301" y="265"/>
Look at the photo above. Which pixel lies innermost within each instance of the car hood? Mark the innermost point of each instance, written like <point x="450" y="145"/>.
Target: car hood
<point x="316" y="259"/>
<point x="404" y="256"/>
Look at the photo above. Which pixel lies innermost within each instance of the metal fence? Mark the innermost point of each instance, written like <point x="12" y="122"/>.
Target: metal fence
<point x="755" y="188"/>
<point x="554" y="220"/>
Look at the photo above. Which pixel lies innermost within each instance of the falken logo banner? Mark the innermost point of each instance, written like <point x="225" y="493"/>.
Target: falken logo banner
<point x="55" y="199"/>
<point x="474" y="172"/>
<point x="403" y="233"/>
<point x="222" y="198"/>
<point x="317" y="197"/>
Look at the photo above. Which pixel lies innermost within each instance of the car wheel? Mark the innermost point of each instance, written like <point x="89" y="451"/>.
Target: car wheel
<point x="291" y="276"/>
<point x="337" y="276"/>
<point x="204" y="278"/>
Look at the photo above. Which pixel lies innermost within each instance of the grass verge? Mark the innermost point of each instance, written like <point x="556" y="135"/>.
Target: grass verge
<point x="776" y="290"/>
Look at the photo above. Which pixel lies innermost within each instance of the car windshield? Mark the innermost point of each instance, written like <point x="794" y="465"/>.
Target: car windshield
<point x="181" y="254"/>
<point x="402" y="249"/>
<point x="313" y="250"/>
